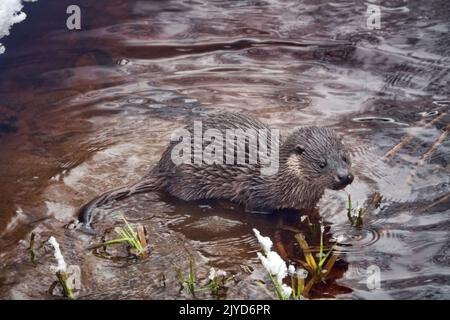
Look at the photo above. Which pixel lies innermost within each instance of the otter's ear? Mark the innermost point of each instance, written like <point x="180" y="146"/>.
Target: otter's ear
<point x="299" y="149"/>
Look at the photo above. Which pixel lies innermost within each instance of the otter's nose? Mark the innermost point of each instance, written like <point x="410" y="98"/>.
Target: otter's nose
<point x="345" y="179"/>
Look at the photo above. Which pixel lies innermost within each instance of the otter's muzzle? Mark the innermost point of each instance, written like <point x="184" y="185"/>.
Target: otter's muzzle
<point x="343" y="180"/>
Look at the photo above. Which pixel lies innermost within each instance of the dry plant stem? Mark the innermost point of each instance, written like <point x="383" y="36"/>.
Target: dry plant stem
<point x="428" y="154"/>
<point x="290" y="229"/>
<point x="31" y="248"/>
<point x="142" y="240"/>
<point x="439" y="201"/>
<point x="281" y="250"/>
<point x="330" y="263"/>
<point x="308" y="286"/>
<point x="306" y="251"/>
<point x="62" y="278"/>
<point x="279" y="244"/>
<point x="435" y="145"/>
<point x="408" y="138"/>
<point x="303" y="263"/>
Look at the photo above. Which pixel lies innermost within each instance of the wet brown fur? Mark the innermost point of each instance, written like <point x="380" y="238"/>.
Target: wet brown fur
<point x="299" y="183"/>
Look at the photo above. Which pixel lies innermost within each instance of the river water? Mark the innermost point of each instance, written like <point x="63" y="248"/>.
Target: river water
<point x="84" y="111"/>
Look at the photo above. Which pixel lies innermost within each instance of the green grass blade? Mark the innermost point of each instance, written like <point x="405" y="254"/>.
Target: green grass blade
<point x="322" y="261"/>
<point x="321" y="244"/>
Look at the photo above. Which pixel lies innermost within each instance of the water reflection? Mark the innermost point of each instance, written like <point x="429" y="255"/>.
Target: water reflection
<point x="83" y="112"/>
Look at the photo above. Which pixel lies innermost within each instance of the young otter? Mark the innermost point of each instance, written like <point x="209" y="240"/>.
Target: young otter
<point x="310" y="160"/>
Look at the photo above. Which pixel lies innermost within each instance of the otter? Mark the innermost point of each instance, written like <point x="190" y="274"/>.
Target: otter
<point x="310" y="160"/>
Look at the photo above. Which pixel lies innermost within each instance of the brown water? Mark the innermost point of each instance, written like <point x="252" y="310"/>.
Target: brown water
<point x="85" y="111"/>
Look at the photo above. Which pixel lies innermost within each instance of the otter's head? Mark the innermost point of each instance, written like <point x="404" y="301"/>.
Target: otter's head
<point x="319" y="156"/>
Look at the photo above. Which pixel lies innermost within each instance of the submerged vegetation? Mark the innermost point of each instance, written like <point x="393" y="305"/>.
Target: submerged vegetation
<point x="216" y="281"/>
<point x="297" y="282"/>
<point x="189" y="281"/>
<point x="356" y="213"/>
<point x="289" y="282"/>
<point x="319" y="266"/>
<point x="315" y="269"/>
<point x="135" y="239"/>
<point x="61" y="270"/>
<point x="66" y="282"/>
<point x="31" y="248"/>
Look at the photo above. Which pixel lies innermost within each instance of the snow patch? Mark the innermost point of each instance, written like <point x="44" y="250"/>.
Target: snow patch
<point x="273" y="263"/>
<point x="10" y="14"/>
<point x="62" y="266"/>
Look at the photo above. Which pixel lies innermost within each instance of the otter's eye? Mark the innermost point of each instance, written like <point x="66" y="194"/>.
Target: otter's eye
<point x="344" y="158"/>
<point x="323" y="164"/>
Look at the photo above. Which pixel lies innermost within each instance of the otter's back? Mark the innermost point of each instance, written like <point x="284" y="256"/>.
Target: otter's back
<point x="222" y="179"/>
